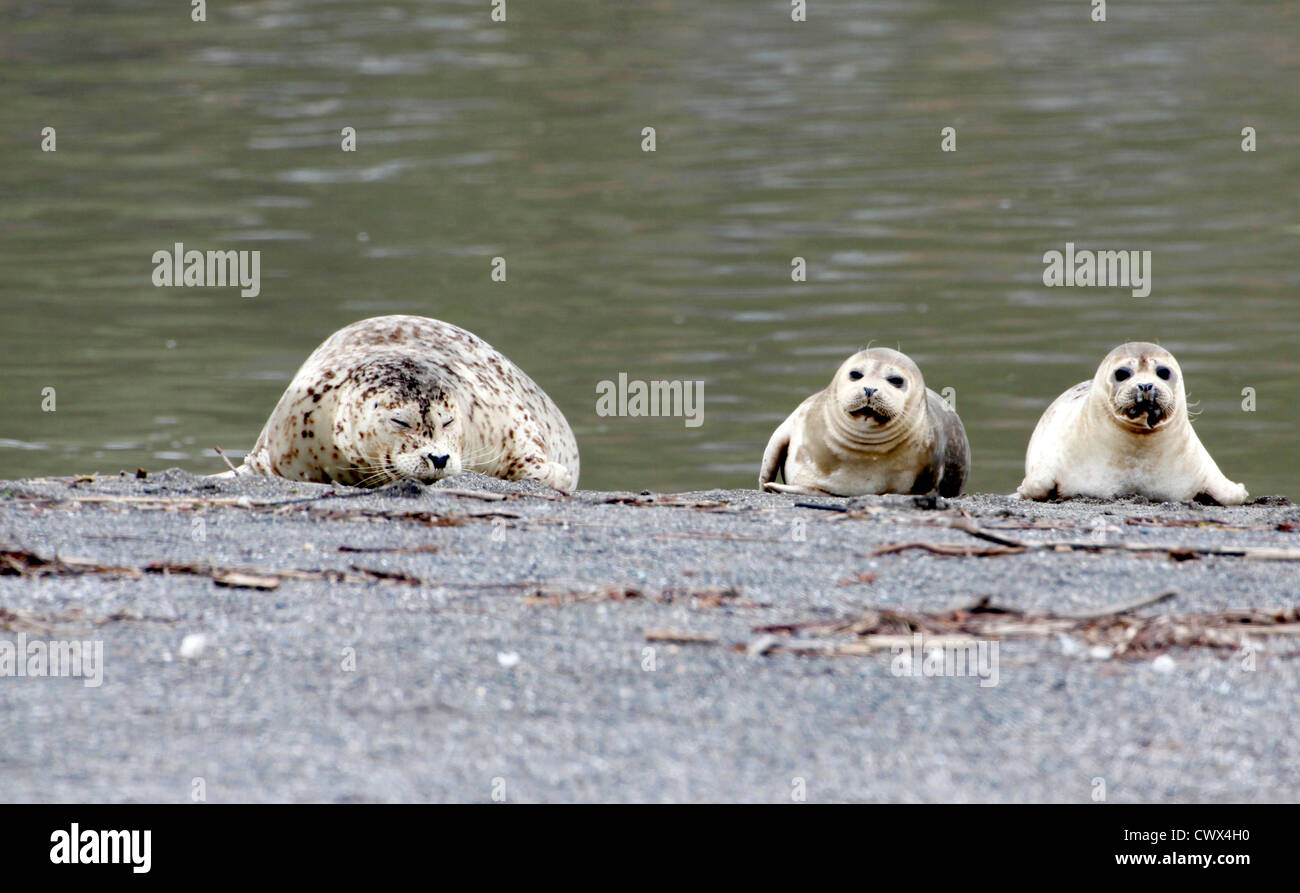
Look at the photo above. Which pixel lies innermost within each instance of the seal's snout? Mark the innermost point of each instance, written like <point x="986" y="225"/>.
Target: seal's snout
<point x="869" y="404"/>
<point x="1145" y="395"/>
<point x="439" y="462"/>
<point x="1145" y="399"/>
<point x="872" y="411"/>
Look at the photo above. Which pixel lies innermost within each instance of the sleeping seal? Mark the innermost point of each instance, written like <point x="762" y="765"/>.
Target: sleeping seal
<point x="407" y="397"/>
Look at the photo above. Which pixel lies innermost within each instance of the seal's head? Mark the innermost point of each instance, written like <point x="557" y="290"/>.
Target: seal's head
<point x="875" y="391"/>
<point x="1140" y="387"/>
<point x="400" y="420"/>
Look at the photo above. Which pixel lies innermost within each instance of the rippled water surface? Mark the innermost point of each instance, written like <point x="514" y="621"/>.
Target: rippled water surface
<point x="523" y="139"/>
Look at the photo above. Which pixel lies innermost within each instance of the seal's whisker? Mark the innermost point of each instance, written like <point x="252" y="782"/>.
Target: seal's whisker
<point x="376" y="471"/>
<point x="370" y="471"/>
<point x="375" y="462"/>
<point x="482" y="459"/>
<point x="377" y="477"/>
<point x="479" y="453"/>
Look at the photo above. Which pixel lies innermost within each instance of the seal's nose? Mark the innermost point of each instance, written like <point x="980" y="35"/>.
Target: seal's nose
<point x="1146" y="387"/>
<point x="868" y="391"/>
<point x="438" y="461"/>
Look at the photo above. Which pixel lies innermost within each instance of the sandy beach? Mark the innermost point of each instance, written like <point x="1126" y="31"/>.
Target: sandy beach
<point x="280" y="641"/>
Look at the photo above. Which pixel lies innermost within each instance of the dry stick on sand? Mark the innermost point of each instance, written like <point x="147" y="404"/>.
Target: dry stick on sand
<point x="20" y="562"/>
<point x="1121" y="609"/>
<point x="1015" y="547"/>
<point x="905" y="515"/>
<point x="230" y="501"/>
<point x="485" y="495"/>
<point x="1116" y="628"/>
<point x="229" y="464"/>
<point x="948" y="550"/>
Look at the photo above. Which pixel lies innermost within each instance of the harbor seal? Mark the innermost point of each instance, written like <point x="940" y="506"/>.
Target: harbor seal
<point x="1124" y="433"/>
<point x="876" y="428"/>
<point x="407" y="397"/>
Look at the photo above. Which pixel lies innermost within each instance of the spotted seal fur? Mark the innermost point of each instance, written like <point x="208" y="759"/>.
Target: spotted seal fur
<point x="408" y="397"/>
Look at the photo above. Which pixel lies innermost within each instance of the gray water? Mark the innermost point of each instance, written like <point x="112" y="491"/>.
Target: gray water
<point x="774" y="139"/>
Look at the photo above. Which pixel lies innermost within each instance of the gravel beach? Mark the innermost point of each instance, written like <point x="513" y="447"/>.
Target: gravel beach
<point x="265" y="640"/>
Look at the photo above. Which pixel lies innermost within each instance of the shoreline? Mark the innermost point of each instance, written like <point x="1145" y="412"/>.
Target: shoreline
<point x="643" y="647"/>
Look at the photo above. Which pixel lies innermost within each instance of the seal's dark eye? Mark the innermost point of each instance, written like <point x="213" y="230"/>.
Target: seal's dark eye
<point x="448" y="422"/>
<point x="854" y="375"/>
<point x="401" y="424"/>
<point x="896" y="380"/>
<point x="1121" y="373"/>
<point x="1162" y="372"/>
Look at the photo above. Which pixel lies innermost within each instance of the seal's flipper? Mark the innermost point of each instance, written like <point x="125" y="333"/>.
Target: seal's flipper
<point x="953" y="460"/>
<point x="1037" y="489"/>
<point x="774" y="456"/>
<point x="794" y="491"/>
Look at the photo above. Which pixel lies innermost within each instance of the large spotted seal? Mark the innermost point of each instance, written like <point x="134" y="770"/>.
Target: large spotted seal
<point x="406" y="397"/>
<point x="876" y="428"/>
<point x="1124" y="433"/>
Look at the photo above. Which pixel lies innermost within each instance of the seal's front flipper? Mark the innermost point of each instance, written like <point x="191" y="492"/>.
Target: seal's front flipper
<point x="557" y="477"/>
<point x="1037" y="489"/>
<point x="796" y="491"/>
<point x="1225" y="492"/>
